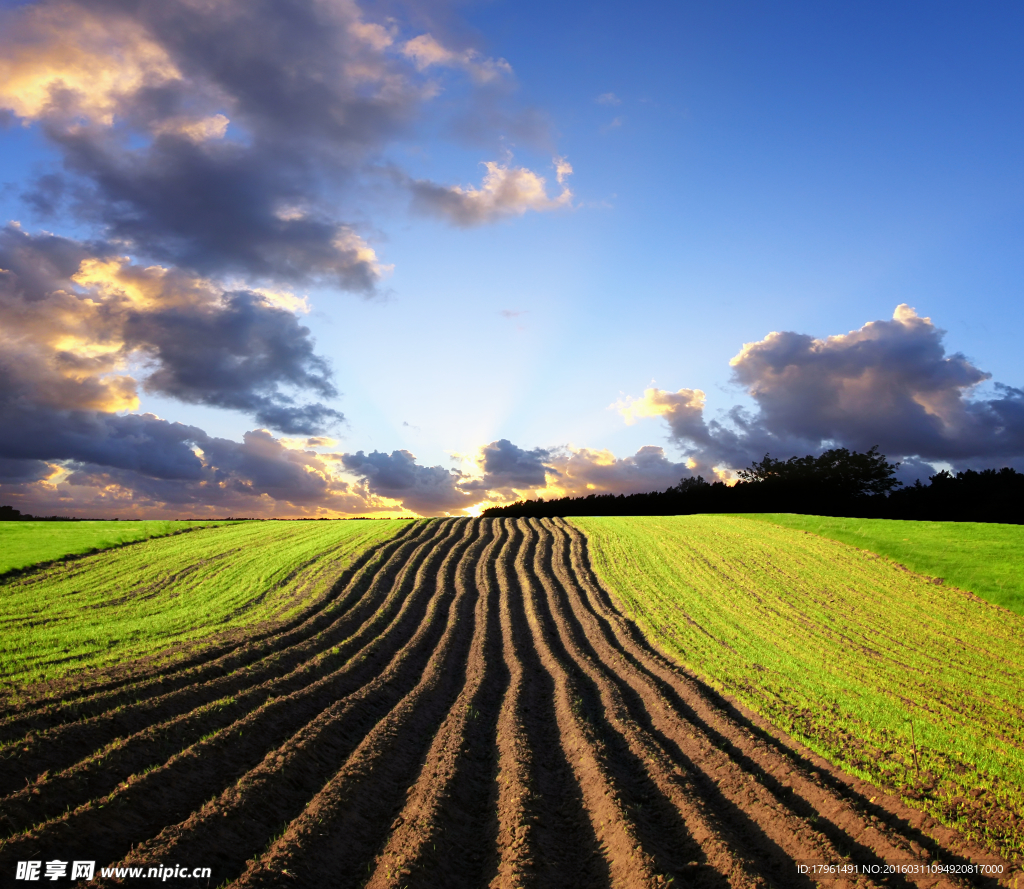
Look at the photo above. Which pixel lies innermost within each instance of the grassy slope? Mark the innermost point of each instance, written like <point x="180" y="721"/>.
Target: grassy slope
<point x="29" y="543"/>
<point x="842" y="649"/>
<point x="981" y="557"/>
<point x="126" y="603"/>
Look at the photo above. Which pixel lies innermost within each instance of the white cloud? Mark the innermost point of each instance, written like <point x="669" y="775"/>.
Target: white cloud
<point x="426" y="52"/>
<point x="505" y="191"/>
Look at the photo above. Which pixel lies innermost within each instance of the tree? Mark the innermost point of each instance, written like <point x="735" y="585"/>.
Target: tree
<point x="838" y="472"/>
<point x="691" y="484"/>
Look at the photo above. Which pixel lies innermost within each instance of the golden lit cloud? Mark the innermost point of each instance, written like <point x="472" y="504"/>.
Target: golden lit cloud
<point x="659" y="403"/>
<point x="55" y="54"/>
<point x="349" y="243"/>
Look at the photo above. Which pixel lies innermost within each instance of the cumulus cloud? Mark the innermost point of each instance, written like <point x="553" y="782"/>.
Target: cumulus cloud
<point x="188" y="141"/>
<point x="505" y="191"/>
<point x="890" y="383"/>
<point x="80" y="324"/>
<point x="223" y="137"/>
<point x="506" y="465"/>
<point x="427" y="490"/>
<point x="218" y="153"/>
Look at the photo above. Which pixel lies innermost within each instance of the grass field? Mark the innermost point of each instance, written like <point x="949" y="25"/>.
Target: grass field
<point x="985" y="558"/>
<point x="188" y="588"/>
<point x="868" y="664"/>
<point x="28" y="543"/>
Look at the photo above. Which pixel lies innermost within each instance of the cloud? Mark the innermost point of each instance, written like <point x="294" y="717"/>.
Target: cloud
<point x="563" y="169"/>
<point x="82" y="324"/>
<point x="608" y="99"/>
<point x="890" y="383"/>
<point x="222" y="138"/>
<point x="427" y="490"/>
<point x="583" y="471"/>
<point x="426" y="52"/>
<point x="505" y="191"/>
<point x="506" y="465"/>
<point x="122" y="466"/>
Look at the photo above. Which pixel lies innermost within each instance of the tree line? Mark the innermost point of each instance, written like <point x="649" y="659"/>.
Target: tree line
<point x="839" y="482"/>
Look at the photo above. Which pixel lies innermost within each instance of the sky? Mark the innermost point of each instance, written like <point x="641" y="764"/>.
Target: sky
<point x="325" y="258"/>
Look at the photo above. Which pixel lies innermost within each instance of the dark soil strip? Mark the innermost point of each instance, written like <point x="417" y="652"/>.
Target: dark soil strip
<point x="334" y="841"/>
<point x="268" y="797"/>
<point x="445" y="833"/>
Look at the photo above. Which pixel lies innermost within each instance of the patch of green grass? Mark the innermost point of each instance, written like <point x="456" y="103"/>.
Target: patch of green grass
<point x="862" y="661"/>
<point x="28" y="543"/>
<point x="982" y="557"/>
<point x="190" y="588"/>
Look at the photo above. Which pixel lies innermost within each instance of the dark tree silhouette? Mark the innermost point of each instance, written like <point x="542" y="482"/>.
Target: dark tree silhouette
<point x="839" y="472"/>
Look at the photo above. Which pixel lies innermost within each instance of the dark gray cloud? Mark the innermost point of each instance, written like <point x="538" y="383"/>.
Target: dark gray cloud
<point x="138" y="443"/>
<point x="224" y="138"/>
<point x="76" y="317"/>
<point x="507" y="465"/>
<point x="217" y="137"/>
<point x="890" y="383"/>
<point x="95" y="463"/>
<point x="19" y="471"/>
<point x="236" y="353"/>
<point x="428" y="490"/>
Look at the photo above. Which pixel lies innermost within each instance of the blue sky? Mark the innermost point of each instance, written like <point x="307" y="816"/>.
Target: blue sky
<point x="736" y="170"/>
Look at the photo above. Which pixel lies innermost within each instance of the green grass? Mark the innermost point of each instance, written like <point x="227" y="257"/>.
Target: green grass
<point x="985" y="558"/>
<point x="28" y="543"/>
<point x="842" y="649"/>
<point x="140" y="600"/>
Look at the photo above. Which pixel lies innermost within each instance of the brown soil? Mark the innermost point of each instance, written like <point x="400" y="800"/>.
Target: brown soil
<point x="467" y="708"/>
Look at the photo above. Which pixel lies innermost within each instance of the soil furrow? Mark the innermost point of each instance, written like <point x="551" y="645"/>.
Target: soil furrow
<point x="613" y="822"/>
<point x="547" y="838"/>
<point x="189" y="778"/>
<point x="277" y="790"/>
<point x="669" y="816"/>
<point x="100" y="773"/>
<point x="335" y="839"/>
<point x="445" y="832"/>
<point x="638" y="712"/>
<point x="515" y="842"/>
<point x="61" y="747"/>
<point x="781" y="772"/>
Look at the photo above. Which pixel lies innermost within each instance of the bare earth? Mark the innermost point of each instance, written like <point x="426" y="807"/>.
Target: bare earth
<point x="474" y="712"/>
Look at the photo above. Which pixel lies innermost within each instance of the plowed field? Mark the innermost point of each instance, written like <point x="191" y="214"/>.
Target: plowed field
<point x="474" y="712"/>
